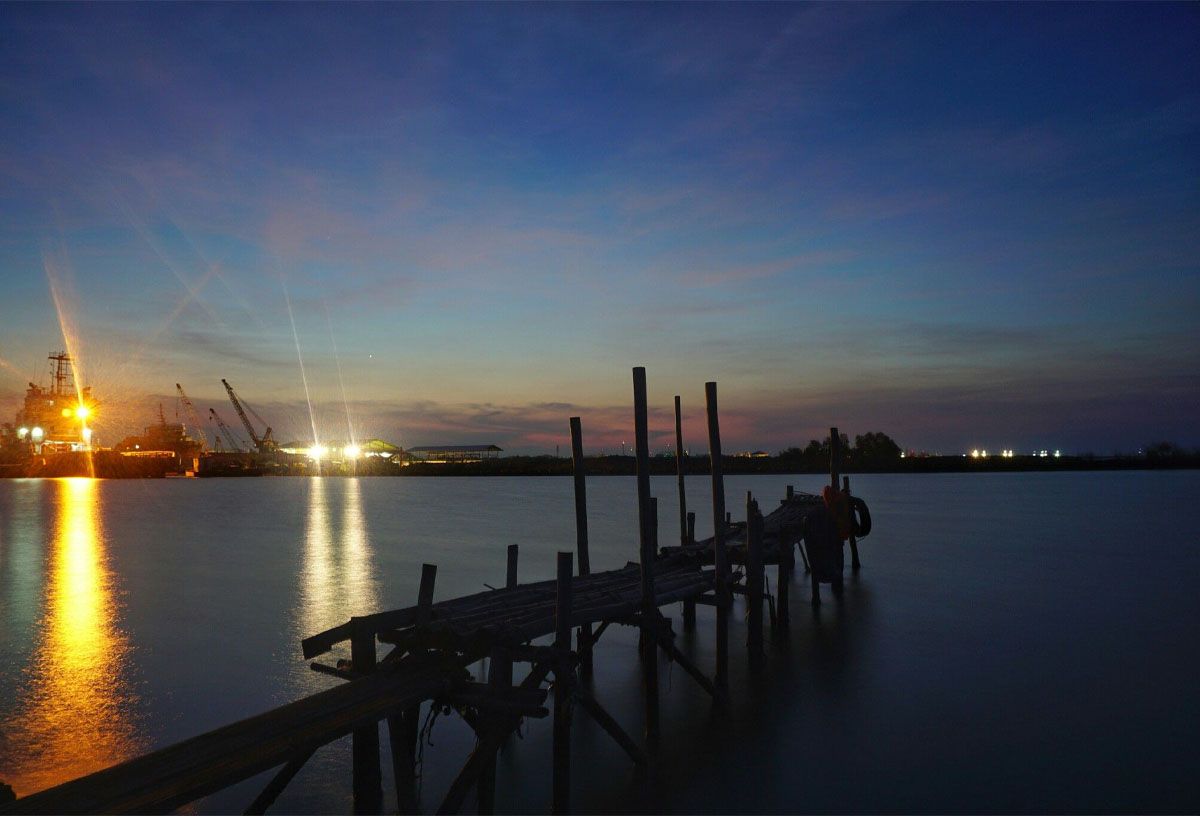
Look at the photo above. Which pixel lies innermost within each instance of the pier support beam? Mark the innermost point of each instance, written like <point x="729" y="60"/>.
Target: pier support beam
<point x="561" y="802"/>
<point x="686" y="520"/>
<point x="368" y="779"/>
<point x="835" y="467"/>
<point x="581" y="537"/>
<point x="754" y="581"/>
<point x="720" y="558"/>
<point x="403" y="734"/>
<point x="647" y="531"/>
<point x="855" y="564"/>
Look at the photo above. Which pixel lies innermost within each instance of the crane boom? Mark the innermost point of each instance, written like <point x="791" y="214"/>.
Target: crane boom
<point x="192" y="417"/>
<point x="263" y="443"/>
<point x="228" y="434"/>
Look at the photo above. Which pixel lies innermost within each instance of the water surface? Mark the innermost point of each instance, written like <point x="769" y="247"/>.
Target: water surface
<point x="1015" y="642"/>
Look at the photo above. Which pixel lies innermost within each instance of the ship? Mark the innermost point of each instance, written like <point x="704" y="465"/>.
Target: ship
<point x="54" y="419"/>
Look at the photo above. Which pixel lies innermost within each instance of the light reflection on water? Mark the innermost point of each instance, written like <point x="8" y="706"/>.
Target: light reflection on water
<point x="338" y="578"/>
<point x="74" y="713"/>
<point x="992" y="641"/>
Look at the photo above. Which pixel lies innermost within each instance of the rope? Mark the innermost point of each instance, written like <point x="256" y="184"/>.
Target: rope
<point x="424" y="734"/>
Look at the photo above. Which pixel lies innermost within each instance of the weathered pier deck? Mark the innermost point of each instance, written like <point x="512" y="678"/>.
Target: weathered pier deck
<point x="433" y="643"/>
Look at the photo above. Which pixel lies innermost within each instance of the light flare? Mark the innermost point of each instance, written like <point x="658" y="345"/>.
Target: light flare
<point x="300" y="357"/>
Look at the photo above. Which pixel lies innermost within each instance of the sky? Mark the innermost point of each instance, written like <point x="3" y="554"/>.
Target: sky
<point x="966" y="225"/>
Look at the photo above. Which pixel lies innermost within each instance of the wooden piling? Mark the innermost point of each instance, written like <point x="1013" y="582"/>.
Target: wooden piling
<point x="791" y="492"/>
<point x="689" y="606"/>
<point x="581" y="537"/>
<point x="367" y="777"/>
<point x="683" y="528"/>
<point x="648" y="551"/>
<point x="404" y="728"/>
<point x="511" y="579"/>
<point x="500" y="679"/>
<point x="403" y="736"/>
<point x="783" y="575"/>
<point x="754" y="580"/>
<point x="835" y="457"/>
<point x="425" y="592"/>
<point x="854" y="562"/>
<point x="561" y="801"/>
<point x="720" y="558"/>
<point x="835" y="466"/>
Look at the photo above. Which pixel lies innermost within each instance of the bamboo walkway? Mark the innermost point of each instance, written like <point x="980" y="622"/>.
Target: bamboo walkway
<point x="434" y="643"/>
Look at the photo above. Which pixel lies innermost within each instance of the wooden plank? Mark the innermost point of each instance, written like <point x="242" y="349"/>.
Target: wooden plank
<point x="170" y="777"/>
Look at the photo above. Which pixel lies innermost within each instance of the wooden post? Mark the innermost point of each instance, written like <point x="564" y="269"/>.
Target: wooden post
<point x="648" y="553"/>
<point x="425" y="593"/>
<point x="835" y="457"/>
<point x="854" y="562"/>
<point x="368" y="784"/>
<point x="654" y="525"/>
<point x="500" y="679"/>
<point x="754" y="579"/>
<point x="404" y="729"/>
<point x="561" y="802"/>
<point x="500" y="671"/>
<point x="791" y="492"/>
<point x="783" y="577"/>
<point x="403" y="735"/>
<point x="689" y="606"/>
<point x="511" y="579"/>
<point x="683" y="528"/>
<point x="720" y="559"/>
<point x="581" y="537"/>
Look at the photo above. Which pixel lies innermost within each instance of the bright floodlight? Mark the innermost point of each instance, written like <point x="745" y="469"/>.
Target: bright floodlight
<point x="22" y="433"/>
<point x="83" y="412"/>
<point x="317" y="452"/>
<point x="36" y="433"/>
<point x="352" y="452"/>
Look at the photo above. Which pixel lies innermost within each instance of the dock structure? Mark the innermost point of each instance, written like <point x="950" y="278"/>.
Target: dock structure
<point x="432" y="644"/>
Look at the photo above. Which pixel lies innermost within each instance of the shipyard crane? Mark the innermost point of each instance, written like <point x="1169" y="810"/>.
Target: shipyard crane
<point x="265" y="443"/>
<point x="228" y="434"/>
<point x="189" y="411"/>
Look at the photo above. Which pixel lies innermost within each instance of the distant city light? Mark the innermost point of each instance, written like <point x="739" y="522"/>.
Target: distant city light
<point x="975" y="453"/>
<point x="37" y="433"/>
<point x="22" y="433"/>
<point x="317" y="452"/>
<point x="352" y="452"/>
<point x="1057" y="454"/>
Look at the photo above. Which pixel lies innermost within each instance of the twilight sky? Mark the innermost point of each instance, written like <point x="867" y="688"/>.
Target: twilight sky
<point x="963" y="225"/>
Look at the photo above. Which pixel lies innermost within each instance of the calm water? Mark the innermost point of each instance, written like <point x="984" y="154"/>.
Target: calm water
<point x="1015" y="642"/>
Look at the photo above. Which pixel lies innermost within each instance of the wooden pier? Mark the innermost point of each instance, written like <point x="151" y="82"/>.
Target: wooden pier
<point x="432" y="644"/>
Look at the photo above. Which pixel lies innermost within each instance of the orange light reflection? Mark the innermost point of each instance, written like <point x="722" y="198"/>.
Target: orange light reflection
<point x="75" y="719"/>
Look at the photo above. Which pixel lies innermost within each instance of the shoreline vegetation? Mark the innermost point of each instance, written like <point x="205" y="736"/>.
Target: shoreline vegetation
<point x="872" y="453"/>
<point x="698" y="465"/>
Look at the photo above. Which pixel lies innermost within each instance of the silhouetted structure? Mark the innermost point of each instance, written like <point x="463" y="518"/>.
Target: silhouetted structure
<point x="434" y="643"/>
